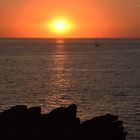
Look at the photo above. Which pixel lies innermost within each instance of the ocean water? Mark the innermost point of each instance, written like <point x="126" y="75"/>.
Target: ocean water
<point x="58" y="72"/>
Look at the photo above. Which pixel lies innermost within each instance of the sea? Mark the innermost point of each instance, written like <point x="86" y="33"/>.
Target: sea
<point x="58" y="72"/>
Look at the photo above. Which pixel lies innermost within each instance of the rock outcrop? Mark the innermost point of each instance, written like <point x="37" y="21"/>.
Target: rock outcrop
<point x="22" y="123"/>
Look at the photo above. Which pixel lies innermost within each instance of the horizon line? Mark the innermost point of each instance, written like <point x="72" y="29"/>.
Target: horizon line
<point x="69" y="37"/>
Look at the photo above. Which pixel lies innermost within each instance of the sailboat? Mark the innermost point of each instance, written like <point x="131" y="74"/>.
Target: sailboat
<point x="96" y="42"/>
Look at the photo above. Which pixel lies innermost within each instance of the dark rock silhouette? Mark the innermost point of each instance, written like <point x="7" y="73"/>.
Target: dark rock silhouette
<point x="22" y="123"/>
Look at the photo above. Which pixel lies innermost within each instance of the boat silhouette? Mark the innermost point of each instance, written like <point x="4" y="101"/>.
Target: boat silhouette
<point x="96" y="42"/>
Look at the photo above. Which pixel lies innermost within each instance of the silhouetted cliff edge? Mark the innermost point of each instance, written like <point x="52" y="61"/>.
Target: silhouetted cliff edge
<point x="22" y="123"/>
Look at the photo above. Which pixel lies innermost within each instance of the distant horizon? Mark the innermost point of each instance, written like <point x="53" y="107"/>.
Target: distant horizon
<point x="70" y="38"/>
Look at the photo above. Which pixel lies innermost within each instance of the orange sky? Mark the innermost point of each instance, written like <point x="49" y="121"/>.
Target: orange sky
<point x="90" y="18"/>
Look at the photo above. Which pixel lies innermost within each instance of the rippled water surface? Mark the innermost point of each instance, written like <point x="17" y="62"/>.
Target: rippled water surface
<point x="52" y="73"/>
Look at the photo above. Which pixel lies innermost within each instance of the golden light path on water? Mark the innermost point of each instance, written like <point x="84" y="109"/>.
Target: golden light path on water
<point x="59" y="81"/>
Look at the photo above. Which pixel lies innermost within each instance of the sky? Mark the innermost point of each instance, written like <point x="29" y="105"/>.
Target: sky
<point x="88" y="18"/>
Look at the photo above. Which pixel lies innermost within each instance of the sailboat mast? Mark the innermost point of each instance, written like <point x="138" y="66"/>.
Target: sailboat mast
<point x="96" y="42"/>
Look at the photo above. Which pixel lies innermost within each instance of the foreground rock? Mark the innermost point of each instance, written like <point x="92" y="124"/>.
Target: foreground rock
<point x="22" y="123"/>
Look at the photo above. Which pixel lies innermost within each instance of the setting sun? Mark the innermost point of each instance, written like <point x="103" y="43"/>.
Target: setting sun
<point x="60" y="26"/>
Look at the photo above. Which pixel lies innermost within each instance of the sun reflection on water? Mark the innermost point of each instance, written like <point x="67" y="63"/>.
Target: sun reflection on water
<point x="60" y="42"/>
<point x="59" y="80"/>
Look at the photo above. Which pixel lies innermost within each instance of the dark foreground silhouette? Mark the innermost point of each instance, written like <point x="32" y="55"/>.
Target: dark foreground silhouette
<point x="22" y="123"/>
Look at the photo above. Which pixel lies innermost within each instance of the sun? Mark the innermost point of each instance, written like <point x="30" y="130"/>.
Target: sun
<point x="60" y="26"/>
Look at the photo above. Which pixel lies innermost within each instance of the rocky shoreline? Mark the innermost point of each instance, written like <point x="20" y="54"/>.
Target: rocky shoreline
<point x="23" y="123"/>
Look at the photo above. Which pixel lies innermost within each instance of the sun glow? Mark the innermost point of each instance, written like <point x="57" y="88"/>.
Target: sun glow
<point x="60" y="26"/>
